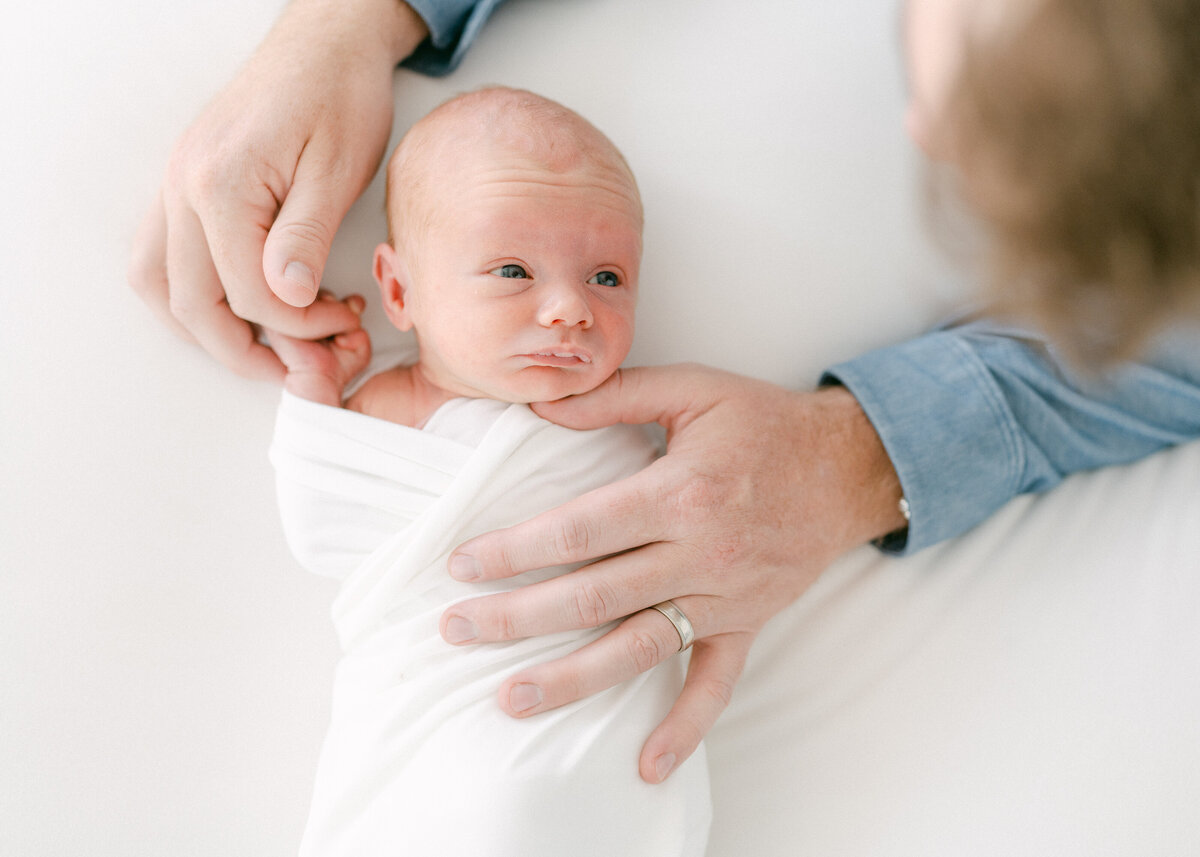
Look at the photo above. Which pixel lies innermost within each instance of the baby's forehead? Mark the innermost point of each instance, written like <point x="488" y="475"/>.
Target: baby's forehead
<point x="494" y="128"/>
<point x="555" y="141"/>
<point x="496" y="189"/>
<point x="470" y="166"/>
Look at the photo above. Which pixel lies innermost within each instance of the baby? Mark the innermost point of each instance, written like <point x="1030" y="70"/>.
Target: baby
<point x="515" y="241"/>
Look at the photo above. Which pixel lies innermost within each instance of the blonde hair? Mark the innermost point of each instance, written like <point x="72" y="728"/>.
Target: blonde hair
<point x="1077" y="134"/>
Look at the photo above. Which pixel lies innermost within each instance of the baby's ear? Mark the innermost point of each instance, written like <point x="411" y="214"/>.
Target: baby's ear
<point x="392" y="275"/>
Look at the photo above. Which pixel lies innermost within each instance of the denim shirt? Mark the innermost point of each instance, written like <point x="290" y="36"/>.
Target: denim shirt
<point x="974" y="415"/>
<point x="453" y="26"/>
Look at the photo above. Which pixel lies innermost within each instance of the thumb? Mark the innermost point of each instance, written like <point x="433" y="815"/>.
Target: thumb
<point x="667" y="395"/>
<point x="298" y="244"/>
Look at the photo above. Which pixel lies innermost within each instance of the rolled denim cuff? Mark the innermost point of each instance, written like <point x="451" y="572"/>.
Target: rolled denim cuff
<point x="945" y="425"/>
<point x="453" y="27"/>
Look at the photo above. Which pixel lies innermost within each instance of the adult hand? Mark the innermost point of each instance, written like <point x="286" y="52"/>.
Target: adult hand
<point x="760" y="489"/>
<point x="257" y="186"/>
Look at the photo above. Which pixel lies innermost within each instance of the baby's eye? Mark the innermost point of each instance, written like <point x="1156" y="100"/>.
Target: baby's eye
<point x="511" y="272"/>
<point x="606" y="278"/>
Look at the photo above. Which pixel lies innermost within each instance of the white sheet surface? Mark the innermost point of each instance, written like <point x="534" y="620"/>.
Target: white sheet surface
<point x="1031" y="688"/>
<point x="164" y="665"/>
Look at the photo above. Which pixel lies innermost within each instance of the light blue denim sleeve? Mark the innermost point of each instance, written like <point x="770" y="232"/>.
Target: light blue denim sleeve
<point x="974" y="415"/>
<point x="453" y="26"/>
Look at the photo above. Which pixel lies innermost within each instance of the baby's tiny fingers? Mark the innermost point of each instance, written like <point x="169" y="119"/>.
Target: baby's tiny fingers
<point x="353" y="340"/>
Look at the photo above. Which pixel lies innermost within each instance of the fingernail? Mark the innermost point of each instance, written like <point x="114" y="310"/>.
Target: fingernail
<point x="523" y="697"/>
<point x="299" y="274"/>
<point x="465" y="567"/>
<point x="460" y="630"/>
<point x="663" y="766"/>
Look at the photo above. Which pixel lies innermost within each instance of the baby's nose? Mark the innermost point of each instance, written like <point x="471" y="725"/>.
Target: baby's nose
<point x="565" y="305"/>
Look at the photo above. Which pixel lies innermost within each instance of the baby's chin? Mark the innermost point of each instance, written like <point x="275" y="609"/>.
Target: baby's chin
<point x="546" y="384"/>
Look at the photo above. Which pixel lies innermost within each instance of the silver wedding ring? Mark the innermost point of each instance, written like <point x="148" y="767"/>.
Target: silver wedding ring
<point x="682" y="626"/>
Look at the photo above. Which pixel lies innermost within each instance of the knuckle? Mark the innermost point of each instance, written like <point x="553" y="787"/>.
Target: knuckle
<point x="204" y="170"/>
<point x="507" y="629"/>
<point x="561" y="681"/>
<point x="193" y="174"/>
<point x="697" y="496"/>
<point x="572" y="539"/>
<point x="485" y="557"/>
<point x="308" y="234"/>
<point x="182" y="306"/>
<point x="571" y="685"/>
<point x="210" y="171"/>
<point x="205" y="182"/>
<point x="501" y="624"/>
<point x="594" y="604"/>
<point x="496" y="560"/>
<point x="718" y="690"/>
<point x="644" y="651"/>
<point x="145" y="279"/>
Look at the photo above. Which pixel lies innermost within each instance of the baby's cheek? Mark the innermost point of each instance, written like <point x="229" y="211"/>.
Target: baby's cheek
<point x="618" y="338"/>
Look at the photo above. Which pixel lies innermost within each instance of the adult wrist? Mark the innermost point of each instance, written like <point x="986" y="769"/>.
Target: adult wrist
<point x="875" y="498"/>
<point x="406" y="29"/>
<point x="387" y="29"/>
<point x="946" y="427"/>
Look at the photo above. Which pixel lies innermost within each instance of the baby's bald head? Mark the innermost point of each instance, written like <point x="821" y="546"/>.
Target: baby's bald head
<point x="482" y="132"/>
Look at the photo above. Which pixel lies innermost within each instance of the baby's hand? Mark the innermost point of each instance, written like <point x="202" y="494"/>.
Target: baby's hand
<point x="319" y="371"/>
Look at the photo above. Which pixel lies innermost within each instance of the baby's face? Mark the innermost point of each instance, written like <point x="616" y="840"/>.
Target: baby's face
<point x="524" y="287"/>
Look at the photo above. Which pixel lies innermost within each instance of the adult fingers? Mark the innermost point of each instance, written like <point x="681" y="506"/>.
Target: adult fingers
<point x="236" y="239"/>
<point x="148" y="266"/>
<point x="197" y="300"/>
<point x="610" y="519"/>
<point x="714" y="669"/>
<point x="661" y="394"/>
<point x="299" y="241"/>
<point x="641" y="642"/>
<point x="601" y="592"/>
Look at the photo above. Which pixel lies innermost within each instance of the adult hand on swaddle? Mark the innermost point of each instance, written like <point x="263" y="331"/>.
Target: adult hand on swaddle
<point x="258" y="185"/>
<point x="760" y="489"/>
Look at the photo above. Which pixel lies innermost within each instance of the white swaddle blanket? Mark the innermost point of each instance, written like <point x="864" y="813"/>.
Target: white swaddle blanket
<point x="419" y="759"/>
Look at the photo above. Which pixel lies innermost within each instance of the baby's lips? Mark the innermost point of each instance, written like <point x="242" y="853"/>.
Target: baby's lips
<point x="563" y="350"/>
<point x="560" y="358"/>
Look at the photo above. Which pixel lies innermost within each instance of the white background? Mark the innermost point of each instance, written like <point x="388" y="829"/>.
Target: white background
<point x="164" y="664"/>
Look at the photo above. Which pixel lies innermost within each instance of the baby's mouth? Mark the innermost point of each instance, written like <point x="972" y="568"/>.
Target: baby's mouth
<point x="556" y="357"/>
